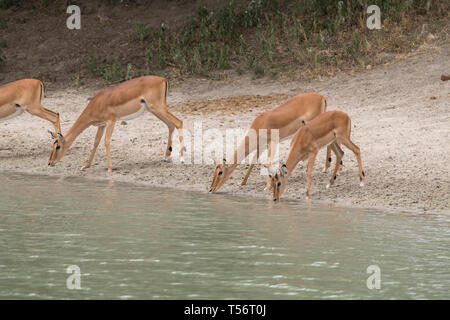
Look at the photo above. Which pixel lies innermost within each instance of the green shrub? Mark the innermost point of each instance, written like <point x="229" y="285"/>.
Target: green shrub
<point x="113" y="71"/>
<point x="309" y="36"/>
<point x="5" y="4"/>
<point x="110" y="71"/>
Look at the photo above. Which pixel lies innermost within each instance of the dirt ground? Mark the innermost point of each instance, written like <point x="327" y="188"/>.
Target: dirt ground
<point x="400" y="119"/>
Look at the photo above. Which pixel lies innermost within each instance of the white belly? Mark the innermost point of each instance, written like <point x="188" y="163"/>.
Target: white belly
<point x="134" y="115"/>
<point x="18" y="112"/>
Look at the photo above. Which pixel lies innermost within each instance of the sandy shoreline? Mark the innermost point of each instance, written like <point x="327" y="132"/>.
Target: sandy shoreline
<point x="400" y="120"/>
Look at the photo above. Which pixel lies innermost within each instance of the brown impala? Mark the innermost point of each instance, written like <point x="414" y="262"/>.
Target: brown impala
<point x="287" y="118"/>
<point x="127" y="100"/>
<point x="25" y="95"/>
<point x="331" y="128"/>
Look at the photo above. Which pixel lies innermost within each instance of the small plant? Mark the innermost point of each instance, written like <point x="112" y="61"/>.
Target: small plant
<point x="130" y="72"/>
<point x="92" y="65"/>
<point x="2" y="58"/>
<point x="140" y="33"/>
<point x="113" y="72"/>
<point x="258" y="70"/>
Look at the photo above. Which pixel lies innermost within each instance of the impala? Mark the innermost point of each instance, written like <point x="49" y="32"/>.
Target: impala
<point x="125" y="101"/>
<point x="286" y="118"/>
<point x="330" y="128"/>
<point x="25" y="95"/>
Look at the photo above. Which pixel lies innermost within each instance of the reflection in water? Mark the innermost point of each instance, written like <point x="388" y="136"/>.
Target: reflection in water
<point x="145" y="243"/>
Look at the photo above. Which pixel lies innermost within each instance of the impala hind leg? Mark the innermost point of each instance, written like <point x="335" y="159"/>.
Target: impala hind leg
<point x="97" y="139"/>
<point x="327" y="159"/>
<point x="172" y="122"/>
<point x="109" y="130"/>
<point x="339" y="154"/>
<point x="349" y="144"/>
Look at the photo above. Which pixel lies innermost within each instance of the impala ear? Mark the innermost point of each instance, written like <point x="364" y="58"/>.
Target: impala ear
<point x="52" y="134"/>
<point x="61" y="137"/>
<point x="268" y="171"/>
<point x="283" y="170"/>
<point x="225" y="163"/>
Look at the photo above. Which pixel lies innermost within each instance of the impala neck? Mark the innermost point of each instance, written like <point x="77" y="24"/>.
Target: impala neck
<point x="78" y="127"/>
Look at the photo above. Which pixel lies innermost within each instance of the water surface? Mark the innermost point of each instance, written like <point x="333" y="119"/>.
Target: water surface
<point x="135" y="242"/>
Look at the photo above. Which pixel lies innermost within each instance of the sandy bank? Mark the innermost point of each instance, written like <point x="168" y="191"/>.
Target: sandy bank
<point x="400" y="120"/>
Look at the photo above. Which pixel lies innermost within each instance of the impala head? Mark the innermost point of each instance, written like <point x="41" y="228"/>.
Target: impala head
<point x="219" y="175"/>
<point x="278" y="180"/>
<point x="58" y="148"/>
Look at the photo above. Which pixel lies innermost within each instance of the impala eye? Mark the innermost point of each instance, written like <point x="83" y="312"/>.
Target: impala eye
<point x="278" y="184"/>
<point x="58" y="147"/>
<point x="220" y="173"/>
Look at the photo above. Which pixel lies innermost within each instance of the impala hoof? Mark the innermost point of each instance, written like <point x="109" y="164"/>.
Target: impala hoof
<point x="361" y="184"/>
<point x="182" y="160"/>
<point x="84" y="168"/>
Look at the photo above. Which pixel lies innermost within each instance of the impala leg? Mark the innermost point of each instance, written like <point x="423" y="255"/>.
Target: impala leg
<point x="109" y="130"/>
<point x="270" y="152"/>
<point x="247" y="174"/>
<point x="97" y="139"/>
<point x="172" y="122"/>
<point x="46" y="114"/>
<point x="252" y="164"/>
<point x="171" y="128"/>
<point x="312" y="158"/>
<point x="249" y="170"/>
<point x="327" y="159"/>
<point x="339" y="154"/>
<point x="349" y="144"/>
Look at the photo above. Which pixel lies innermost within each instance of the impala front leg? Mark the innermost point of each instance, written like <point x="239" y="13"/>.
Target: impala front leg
<point x="270" y="151"/>
<point x="49" y="115"/>
<point x="109" y="130"/>
<point x="312" y="158"/>
<point x="97" y="139"/>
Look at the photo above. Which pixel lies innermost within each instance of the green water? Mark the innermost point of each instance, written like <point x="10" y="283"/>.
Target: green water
<point x="145" y="243"/>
